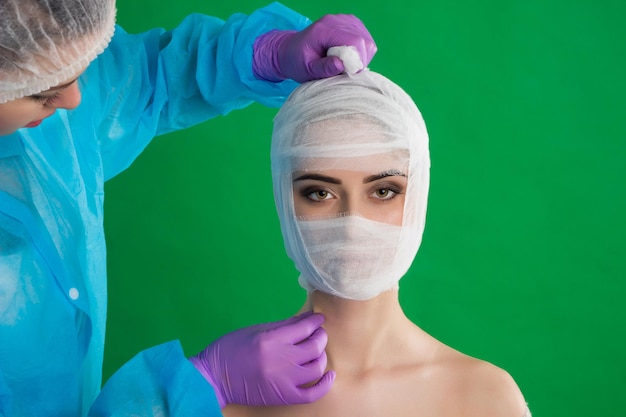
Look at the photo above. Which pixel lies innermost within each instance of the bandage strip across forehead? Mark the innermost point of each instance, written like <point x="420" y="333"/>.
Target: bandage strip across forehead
<point x="44" y="43"/>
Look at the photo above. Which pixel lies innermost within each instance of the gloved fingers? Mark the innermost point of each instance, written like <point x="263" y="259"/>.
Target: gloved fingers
<point x="326" y="67"/>
<point x="344" y="22"/>
<point x="312" y="370"/>
<point x="298" y="330"/>
<point x="318" y="390"/>
<point x="348" y="30"/>
<point x="363" y="48"/>
<point x="313" y="347"/>
<point x="293" y="319"/>
<point x="278" y="324"/>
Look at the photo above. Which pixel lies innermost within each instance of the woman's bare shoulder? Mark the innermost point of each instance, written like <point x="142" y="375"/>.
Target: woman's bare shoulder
<point x="484" y="389"/>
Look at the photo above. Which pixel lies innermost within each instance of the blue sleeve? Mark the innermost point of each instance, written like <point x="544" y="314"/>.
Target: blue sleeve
<point x="157" y="382"/>
<point x="5" y="397"/>
<point x="152" y="83"/>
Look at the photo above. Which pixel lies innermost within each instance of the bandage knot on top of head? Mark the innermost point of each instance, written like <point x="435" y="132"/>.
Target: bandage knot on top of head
<point x="44" y="43"/>
<point x="361" y="122"/>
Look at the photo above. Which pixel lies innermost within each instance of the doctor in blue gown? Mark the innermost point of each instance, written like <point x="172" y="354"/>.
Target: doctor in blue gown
<point x="55" y="156"/>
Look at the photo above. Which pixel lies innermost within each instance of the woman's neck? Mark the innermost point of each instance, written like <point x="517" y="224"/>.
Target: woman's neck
<point x="362" y="335"/>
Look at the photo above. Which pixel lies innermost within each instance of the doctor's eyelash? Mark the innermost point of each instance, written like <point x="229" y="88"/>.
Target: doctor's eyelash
<point x="47" y="100"/>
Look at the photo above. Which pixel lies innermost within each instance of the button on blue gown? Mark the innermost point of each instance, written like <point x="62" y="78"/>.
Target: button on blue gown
<point x="53" y="288"/>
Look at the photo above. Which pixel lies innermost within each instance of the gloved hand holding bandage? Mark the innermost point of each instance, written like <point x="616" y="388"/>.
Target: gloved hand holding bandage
<point x="304" y="56"/>
<point x="268" y="364"/>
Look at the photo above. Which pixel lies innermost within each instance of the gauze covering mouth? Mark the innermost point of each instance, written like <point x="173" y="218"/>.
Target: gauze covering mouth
<point x="345" y="254"/>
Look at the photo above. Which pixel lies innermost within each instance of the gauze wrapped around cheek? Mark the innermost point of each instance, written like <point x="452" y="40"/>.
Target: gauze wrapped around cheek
<point x="349" y="256"/>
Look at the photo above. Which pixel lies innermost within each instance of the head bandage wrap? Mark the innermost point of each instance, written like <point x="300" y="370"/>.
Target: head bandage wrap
<point x="360" y="122"/>
<point x="44" y="43"/>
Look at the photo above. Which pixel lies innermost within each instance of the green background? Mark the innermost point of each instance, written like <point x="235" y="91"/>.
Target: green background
<point x="522" y="261"/>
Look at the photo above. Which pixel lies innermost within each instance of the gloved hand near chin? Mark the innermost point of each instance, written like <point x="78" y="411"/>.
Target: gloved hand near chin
<point x="267" y="364"/>
<point x="301" y="56"/>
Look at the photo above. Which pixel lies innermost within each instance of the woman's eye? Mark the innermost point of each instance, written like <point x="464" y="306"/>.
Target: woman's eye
<point x="385" y="193"/>
<point x="319" y="195"/>
<point x="316" y="195"/>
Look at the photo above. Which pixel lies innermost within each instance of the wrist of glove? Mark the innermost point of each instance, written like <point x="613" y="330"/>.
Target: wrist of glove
<point x="269" y="364"/>
<point x="303" y="56"/>
<point x="200" y="361"/>
<point x="266" y="64"/>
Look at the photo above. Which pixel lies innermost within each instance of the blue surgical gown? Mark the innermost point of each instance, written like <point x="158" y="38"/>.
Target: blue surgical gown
<point x="53" y="288"/>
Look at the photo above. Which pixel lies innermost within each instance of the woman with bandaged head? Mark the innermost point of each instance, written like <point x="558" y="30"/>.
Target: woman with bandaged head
<point x="350" y="167"/>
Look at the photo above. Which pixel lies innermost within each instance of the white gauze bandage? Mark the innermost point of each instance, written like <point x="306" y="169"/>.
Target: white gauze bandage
<point x="349" y="56"/>
<point x="361" y="122"/>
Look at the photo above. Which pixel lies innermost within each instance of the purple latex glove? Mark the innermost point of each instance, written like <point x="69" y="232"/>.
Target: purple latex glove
<point x="301" y="56"/>
<point x="269" y="363"/>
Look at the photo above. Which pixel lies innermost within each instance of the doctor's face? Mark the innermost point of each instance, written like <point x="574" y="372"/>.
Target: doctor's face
<point x="30" y="111"/>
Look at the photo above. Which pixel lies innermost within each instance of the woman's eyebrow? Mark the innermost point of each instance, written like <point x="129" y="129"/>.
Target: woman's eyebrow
<point x="318" y="177"/>
<point x="384" y="174"/>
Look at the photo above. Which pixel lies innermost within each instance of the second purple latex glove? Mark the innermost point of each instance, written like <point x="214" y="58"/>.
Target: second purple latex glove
<point x="269" y="363"/>
<point x="301" y="56"/>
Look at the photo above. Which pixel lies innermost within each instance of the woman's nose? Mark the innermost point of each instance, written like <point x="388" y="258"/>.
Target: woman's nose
<point x="349" y="205"/>
<point x="70" y="97"/>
